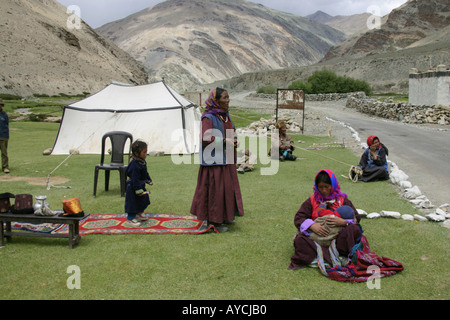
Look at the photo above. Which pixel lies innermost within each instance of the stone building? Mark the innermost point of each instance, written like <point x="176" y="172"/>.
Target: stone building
<point x="430" y="88"/>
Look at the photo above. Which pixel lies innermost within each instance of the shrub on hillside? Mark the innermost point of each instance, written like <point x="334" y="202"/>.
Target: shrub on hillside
<point x="327" y="81"/>
<point x="300" y="85"/>
<point x="267" y="90"/>
<point x="7" y="96"/>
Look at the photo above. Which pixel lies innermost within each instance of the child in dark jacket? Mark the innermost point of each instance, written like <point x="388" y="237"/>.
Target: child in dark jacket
<point x="137" y="197"/>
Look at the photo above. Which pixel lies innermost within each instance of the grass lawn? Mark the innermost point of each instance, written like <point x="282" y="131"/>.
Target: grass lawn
<point x="249" y="262"/>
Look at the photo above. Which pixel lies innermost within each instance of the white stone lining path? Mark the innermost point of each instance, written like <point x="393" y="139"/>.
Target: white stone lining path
<point x="397" y="177"/>
<point x="410" y="192"/>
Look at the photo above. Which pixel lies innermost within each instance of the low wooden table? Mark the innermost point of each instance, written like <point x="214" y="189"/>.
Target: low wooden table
<point x="73" y="223"/>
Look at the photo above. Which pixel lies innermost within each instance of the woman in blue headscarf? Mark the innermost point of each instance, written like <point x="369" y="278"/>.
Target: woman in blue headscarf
<point x="326" y="194"/>
<point x="217" y="197"/>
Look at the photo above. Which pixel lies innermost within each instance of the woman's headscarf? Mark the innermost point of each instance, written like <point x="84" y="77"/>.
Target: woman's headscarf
<point x="370" y="140"/>
<point x="212" y="107"/>
<point x="335" y="192"/>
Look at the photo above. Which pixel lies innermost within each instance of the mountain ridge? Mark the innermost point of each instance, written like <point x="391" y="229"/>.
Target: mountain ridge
<point x="385" y="67"/>
<point x="40" y="54"/>
<point x="411" y="22"/>
<point x="197" y="42"/>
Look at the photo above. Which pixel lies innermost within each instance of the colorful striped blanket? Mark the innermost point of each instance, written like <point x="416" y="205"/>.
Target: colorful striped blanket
<point x="115" y="224"/>
<point x="363" y="265"/>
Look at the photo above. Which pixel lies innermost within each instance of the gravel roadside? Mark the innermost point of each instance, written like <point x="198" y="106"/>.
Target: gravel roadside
<point x="317" y="115"/>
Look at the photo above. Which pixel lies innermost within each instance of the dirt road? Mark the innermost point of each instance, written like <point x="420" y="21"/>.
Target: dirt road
<point x="422" y="152"/>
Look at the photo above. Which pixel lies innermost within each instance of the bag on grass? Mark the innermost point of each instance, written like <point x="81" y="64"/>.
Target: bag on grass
<point x="23" y="204"/>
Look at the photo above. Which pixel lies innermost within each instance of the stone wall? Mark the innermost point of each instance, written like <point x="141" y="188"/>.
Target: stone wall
<point x="334" y="96"/>
<point x="400" y="111"/>
<point x="314" y="97"/>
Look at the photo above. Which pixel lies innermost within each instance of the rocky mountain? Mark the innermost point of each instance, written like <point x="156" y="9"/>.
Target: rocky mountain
<point x="40" y="54"/>
<point x="350" y="25"/>
<point x="416" y="35"/>
<point x="320" y="16"/>
<point x="194" y="42"/>
<point x="413" y="21"/>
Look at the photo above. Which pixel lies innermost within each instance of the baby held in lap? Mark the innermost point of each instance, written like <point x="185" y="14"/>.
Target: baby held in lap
<point x="344" y="212"/>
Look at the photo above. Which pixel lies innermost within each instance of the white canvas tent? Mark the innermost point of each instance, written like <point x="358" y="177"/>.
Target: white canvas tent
<point x="154" y="113"/>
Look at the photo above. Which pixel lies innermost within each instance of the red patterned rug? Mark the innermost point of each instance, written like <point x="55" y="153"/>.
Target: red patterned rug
<point x="156" y="224"/>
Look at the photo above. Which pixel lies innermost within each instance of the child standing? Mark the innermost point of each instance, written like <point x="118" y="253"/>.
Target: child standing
<point x="137" y="197"/>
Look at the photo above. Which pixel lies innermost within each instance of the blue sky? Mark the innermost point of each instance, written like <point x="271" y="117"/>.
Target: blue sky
<point x="99" y="12"/>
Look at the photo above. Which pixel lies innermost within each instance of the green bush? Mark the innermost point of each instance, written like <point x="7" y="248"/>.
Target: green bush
<point x="6" y="96"/>
<point x="267" y="90"/>
<point x="327" y="81"/>
<point x="37" y="117"/>
<point x="323" y="82"/>
<point x="41" y="95"/>
<point x="300" y="85"/>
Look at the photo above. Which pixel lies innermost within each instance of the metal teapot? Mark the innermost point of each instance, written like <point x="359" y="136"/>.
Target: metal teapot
<point x="40" y="203"/>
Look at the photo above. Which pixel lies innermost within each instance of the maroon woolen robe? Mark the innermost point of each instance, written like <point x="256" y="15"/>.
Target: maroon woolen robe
<point x="217" y="196"/>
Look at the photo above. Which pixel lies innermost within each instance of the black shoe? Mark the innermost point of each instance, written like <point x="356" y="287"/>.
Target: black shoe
<point x="219" y="227"/>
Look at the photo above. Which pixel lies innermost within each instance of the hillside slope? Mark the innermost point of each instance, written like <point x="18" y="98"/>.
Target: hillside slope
<point x="40" y="54"/>
<point x="416" y="35"/>
<point x="413" y="21"/>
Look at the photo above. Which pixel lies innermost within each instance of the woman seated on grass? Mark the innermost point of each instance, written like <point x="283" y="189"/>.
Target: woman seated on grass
<point x="373" y="161"/>
<point x="345" y="257"/>
<point x="327" y="196"/>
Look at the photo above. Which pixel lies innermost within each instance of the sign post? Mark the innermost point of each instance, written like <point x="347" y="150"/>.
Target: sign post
<point x="291" y="99"/>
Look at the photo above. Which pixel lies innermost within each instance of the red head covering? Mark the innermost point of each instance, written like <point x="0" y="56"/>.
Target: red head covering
<point x="370" y="140"/>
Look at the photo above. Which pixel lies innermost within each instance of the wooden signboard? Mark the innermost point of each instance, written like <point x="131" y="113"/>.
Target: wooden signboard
<point x="291" y="99"/>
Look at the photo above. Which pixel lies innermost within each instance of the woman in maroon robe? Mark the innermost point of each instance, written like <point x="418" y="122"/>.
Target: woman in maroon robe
<point x="217" y="197"/>
<point x="326" y="191"/>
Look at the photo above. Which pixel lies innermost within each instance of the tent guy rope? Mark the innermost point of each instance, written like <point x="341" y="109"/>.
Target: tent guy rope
<point x="353" y="178"/>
